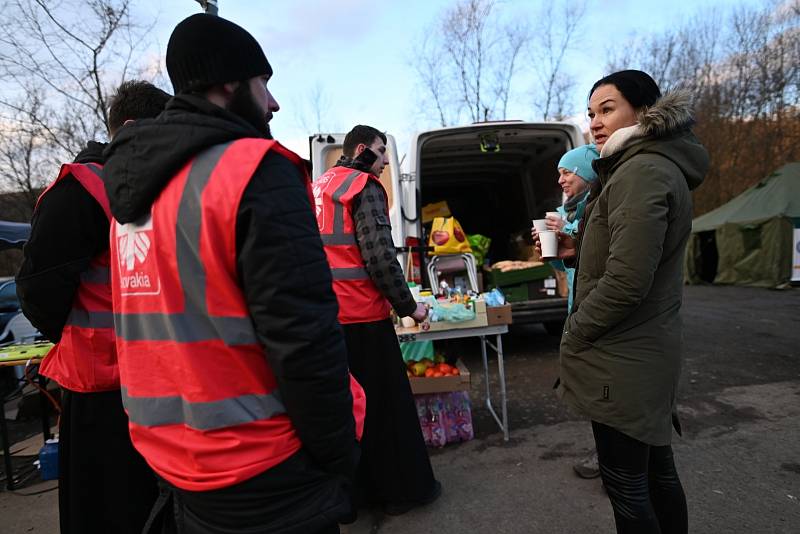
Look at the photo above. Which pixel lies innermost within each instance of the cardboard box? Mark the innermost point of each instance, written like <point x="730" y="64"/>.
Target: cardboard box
<point x="498" y="315"/>
<point x="479" y="320"/>
<point x="562" y="285"/>
<point x="422" y="385"/>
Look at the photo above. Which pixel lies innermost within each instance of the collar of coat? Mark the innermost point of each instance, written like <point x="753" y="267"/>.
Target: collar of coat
<point x="672" y="113"/>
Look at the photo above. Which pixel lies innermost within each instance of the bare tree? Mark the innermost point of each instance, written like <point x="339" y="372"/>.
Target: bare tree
<point x="468" y="60"/>
<point x="557" y="33"/>
<point x="59" y="64"/>
<point x="429" y="65"/>
<point x="743" y="68"/>
<point x="315" y="112"/>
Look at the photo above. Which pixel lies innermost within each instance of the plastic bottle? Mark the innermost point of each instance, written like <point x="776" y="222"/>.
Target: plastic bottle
<point x="48" y="460"/>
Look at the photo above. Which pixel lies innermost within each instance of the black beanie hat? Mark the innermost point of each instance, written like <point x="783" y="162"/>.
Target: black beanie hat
<point x="206" y="50"/>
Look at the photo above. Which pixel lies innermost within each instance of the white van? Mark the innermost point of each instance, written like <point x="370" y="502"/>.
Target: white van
<point x="496" y="177"/>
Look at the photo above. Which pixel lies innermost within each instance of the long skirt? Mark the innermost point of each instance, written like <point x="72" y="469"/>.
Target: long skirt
<point x="394" y="465"/>
<point x="104" y="483"/>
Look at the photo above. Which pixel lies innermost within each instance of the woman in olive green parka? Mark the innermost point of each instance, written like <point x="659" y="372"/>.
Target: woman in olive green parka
<point x="621" y="348"/>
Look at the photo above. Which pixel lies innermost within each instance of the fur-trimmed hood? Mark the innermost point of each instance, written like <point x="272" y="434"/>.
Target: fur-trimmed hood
<point x="664" y="129"/>
<point x="670" y="114"/>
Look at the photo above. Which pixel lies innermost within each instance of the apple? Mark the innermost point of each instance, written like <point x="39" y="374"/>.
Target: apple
<point x="419" y="369"/>
<point x="440" y="237"/>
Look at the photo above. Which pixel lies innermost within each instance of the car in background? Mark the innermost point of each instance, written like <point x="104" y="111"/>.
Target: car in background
<point x="14" y="326"/>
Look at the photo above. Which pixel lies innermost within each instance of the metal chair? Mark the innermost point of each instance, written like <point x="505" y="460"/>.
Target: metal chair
<point x="450" y="263"/>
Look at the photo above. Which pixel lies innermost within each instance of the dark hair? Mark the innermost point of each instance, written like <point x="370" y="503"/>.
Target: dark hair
<point x="638" y="88"/>
<point x="135" y="99"/>
<point x="360" y="134"/>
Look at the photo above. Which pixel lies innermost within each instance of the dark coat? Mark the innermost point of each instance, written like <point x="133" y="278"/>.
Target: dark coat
<point x="284" y="276"/>
<point x="68" y="229"/>
<point x="621" y="348"/>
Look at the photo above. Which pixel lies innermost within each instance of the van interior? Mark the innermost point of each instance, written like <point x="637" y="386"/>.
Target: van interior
<point x="495" y="181"/>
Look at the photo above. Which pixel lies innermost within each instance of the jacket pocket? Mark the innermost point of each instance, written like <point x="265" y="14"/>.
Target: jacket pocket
<point x="572" y="344"/>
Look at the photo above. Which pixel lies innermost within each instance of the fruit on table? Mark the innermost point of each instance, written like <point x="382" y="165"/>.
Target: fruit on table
<point x="427" y="361"/>
<point x="418" y="369"/>
<point x="438" y="358"/>
<point x="454" y="371"/>
<point x="437" y="374"/>
<point x="444" y="368"/>
<point x="429" y="372"/>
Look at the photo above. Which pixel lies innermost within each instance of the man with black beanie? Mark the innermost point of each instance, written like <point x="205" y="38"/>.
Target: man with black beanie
<point x="233" y="365"/>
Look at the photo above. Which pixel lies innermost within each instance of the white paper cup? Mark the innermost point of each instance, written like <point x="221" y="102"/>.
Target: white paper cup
<point x="540" y="225"/>
<point x="549" y="241"/>
<point x="552" y="215"/>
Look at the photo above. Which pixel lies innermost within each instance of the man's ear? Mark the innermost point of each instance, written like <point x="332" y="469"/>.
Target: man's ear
<point x="230" y="87"/>
<point x="359" y="149"/>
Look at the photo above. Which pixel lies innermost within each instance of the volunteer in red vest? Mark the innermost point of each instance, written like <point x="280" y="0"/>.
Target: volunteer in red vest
<point x="353" y="218"/>
<point x="63" y="286"/>
<point x="233" y="365"/>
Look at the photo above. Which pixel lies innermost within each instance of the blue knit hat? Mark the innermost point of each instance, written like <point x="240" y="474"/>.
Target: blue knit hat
<point x="579" y="160"/>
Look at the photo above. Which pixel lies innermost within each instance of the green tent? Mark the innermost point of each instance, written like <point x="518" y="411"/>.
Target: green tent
<point x="749" y="241"/>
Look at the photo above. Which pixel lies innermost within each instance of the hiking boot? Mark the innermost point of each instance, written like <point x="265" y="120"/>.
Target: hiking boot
<point x="589" y="467"/>
<point x="399" y="508"/>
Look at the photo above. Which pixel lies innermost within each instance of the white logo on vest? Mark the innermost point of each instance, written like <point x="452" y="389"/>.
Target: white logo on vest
<point x="134" y="241"/>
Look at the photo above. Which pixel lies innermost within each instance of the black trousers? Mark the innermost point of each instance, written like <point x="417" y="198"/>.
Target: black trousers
<point x="394" y="466"/>
<point x="642" y="484"/>
<point x="294" y="497"/>
<point x="104" y="483"/>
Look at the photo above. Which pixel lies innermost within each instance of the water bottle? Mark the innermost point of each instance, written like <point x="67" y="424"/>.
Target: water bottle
<point x="48" y="460"/>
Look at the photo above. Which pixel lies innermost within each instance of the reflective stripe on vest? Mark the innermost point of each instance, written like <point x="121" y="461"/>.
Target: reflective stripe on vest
<point x="90" y="319"/>
<point x="175" y="410"/>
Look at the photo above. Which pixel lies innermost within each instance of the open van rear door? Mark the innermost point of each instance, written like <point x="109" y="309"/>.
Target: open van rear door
<point x="325" y="150"/>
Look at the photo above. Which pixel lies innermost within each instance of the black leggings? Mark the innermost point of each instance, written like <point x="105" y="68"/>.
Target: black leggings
<point x="641" y="482"/>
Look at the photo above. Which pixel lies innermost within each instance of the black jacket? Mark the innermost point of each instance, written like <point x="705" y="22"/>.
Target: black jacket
<point x="282" y="267"/>
<point x="68" y="229"/>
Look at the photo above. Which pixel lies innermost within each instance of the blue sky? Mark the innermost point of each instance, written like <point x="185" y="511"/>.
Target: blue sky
<point x="358" y="51"/>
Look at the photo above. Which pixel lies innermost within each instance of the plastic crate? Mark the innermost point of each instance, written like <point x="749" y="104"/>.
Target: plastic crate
<point x="501" y="279"/>
<point x="517" y="293"/>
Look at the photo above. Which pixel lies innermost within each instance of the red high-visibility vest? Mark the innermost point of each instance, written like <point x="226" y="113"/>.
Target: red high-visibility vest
<point x="202" y="400"/>
<point x="85" y="360"/>
<point x="359" y="298"/>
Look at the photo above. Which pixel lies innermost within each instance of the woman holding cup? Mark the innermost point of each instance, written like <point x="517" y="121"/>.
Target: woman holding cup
<point x="575" y="176"/>
<point x="621" y="347"/>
